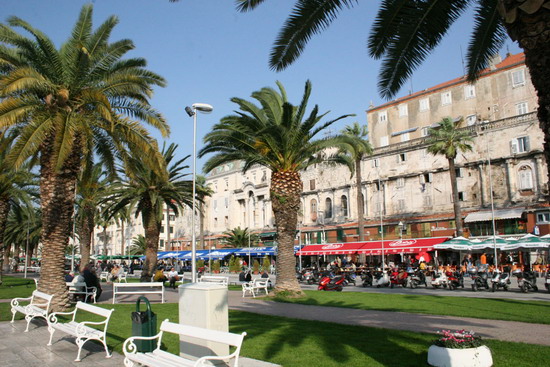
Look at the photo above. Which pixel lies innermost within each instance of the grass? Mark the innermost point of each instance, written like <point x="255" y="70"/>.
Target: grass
<point x="482" y="308"/>
<point x="16" y="287"/>
<point x="291" y="342"/>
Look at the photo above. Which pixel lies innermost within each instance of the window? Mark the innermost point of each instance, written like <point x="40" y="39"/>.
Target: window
<point x="403" y="110"/>
<point x="401" y="204"/>
<point x="518" y="78"/>
<point x="427" y="200"/>
<point x="215" y="186"/>
<point x="312" y="184"/>
<point x="469" y="91"/>
<point x="344" y="200"/>
<point x="458" y="172"/>
<point x="471" y="120"/>
<point x="382" y="116"/>
<point x="328" y="208"/>
<point x="171" y="218"/>
<point x="225" y="220"/>
<point x="313" y="209"/>
<point x="446" y="98"/>
<point x="461" y="196"/>
<point x="215" y="205"/>
<point x="376" y="186"/>
<point x="171" y="230"/>
<point x="543" y="217"/>
<point x="401" y="157"/>
<point x="226" y="202"/>
<point x="162" y="229"/>
<point x="226" y="184"/>
<point x="375" y="163"/>
<point x="424" y="104"/>
<point x="405" y="137"/>
<point x="520" y="145"/>
<point x="521" y="108"/>
<point x="426" y="178"/>
<point x="525" y="178"/>
<point x="401" y="182"/>
<point x="384" y="141"/>
<point x="425" y="131"/>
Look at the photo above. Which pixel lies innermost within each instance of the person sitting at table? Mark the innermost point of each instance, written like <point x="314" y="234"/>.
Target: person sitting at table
<point x="248" y="276"/>
<point x="90" y="278"/>
<point x="173" y="276"/>
<point x="69" y="277"/>
<point x="115" y="272"/>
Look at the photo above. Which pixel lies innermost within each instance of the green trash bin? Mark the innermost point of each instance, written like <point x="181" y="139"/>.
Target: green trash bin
<point x="144" y="323"/>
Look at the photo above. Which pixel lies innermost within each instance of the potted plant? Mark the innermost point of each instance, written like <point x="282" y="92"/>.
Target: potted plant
<point x="216" y="267"/>
<point x="459" y="349"/>
<point x="256" y="266"/>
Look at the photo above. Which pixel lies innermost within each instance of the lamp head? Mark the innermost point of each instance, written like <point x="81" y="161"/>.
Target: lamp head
<point x="189" y="111"/>
<point x="203" y="107"/>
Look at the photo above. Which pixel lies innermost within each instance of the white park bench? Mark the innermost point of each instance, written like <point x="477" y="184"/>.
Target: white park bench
<point x="82" y="330"/>
<point x="255" y="286"/>
<point x="214" y="279"/>
<point x="81" y="289"/>
<point x="138" y="289"/>
<point x="104" y="275"/>
<point x="158" y="357"/>
<point x="38" y="306"/>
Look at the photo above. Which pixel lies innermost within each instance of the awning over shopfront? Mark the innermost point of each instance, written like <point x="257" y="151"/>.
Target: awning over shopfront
<point x="255" y="251"/>
<point x="500" y="214"/>
<point x="218" y="254"/>
<point x="406" y="246"/>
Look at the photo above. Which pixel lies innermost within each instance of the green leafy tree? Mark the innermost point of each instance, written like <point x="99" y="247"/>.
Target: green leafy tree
<point x="234" y="264"/>
<point x="281" y="137"/>
<point x="447" y="140"/>
<point x="240" y="238"/>
<point x="147" y="191"/>
<point x="266" y="264"/>
<point x="83" y="97"/>
<point x="405" y="32"/>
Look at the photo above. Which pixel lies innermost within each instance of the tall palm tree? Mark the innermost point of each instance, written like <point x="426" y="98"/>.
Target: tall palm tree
<point x="203" y="191"/>
<point x="92" y="189"/>
<point x="83" y="97"/>
<point x="23" y="227"/>
<point x="405" y="32"/>
<point x="447" y="140"/>
<point x="240" y="238"/>
<point x="281" y="137"/>
<point x="145" y="191"/>
<point x="353" y="148"/>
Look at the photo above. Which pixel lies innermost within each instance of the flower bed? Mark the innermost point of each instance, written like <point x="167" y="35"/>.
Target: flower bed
<point x="459" y="349"/>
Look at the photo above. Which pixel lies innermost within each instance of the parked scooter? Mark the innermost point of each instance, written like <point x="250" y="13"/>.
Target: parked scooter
<point x="455" y="279"/>
<point x="439" y="279"/>
<point x="349" y="278"/>
<point x="398" y="277"/>
<point x="526" y="281"/>
<point x="547" y="281"/>
<point x="329" y="282"/>
<point x="480" y="279"/>
<point x="380" y="279"/>
<point x="417" y="278"/>
<point x="311" y="276"/>
<point x="366" y="277"/>
<point x="500" y="280"/>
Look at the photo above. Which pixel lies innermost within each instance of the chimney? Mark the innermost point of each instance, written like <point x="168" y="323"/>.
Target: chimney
<point x="494" y="60"/>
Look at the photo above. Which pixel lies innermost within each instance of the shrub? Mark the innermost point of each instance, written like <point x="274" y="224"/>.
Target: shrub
<point x="266" y="264"/>
<point x="256" y="266"/>
<point x="460" y="339"/>
<point x="216" y="266"/>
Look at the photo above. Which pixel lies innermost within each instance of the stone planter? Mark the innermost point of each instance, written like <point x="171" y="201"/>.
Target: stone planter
<point x="469" y="357"/>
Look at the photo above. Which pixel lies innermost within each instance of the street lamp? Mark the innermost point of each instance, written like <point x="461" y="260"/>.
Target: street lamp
<point x="400" y="225"/>
<point x="192" y="112"/>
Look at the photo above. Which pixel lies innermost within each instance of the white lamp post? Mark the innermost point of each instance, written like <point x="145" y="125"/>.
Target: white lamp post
<point x="192" y="112"/>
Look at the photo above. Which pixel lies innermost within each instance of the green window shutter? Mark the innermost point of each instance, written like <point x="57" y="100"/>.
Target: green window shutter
<point x="319" y="237"/>
<point x="339" y="234"/>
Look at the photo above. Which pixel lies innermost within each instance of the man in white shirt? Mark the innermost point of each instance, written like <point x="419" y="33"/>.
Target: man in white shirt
<point x="173" y="277"/>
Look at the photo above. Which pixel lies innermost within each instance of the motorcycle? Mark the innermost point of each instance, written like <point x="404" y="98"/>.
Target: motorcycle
<point x="417" y="278"/>
<point x="311" y="277"/>
<point x="350" y="278"/>
<point x="439" y="279"/>
<point x="380" y="278"/>
<point x="526" y="281"/>
<point x="547" y="281"/>
<point x="480" y="279"/>
<point x="366" y="277"/>
<point x="398" y="277"/>
<point x="328" y="282"/>
<point x="500" y="280"/>
<point x="454" y="279"/>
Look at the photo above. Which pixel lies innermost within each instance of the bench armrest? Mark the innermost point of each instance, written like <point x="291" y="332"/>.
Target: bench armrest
<point x="52" y="318"/>
<point x="201" y="360"/>
<point x="129" y="347"/>
<point x="15" y="302"/>
<point x="81" y="326"/>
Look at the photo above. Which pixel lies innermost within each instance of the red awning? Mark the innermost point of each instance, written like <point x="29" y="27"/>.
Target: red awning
<point x="407" y="246"/>
<point x="331" y="249"/>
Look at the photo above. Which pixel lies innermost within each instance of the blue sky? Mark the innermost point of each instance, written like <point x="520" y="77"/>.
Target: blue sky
<point x="208" y="52"/>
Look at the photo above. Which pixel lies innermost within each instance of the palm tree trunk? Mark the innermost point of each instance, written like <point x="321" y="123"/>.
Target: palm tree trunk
<point x="86" y="233"/>
<point x="531" y="32"/>
<point x="4" y="211"/>
<point x="456" y="202"/>
<point x="286" y="188"/>
<point x="152" y="234"/>
<point x="201" y="225"/>
<point x="57" y="197"/>
<point x="360" y="202"/>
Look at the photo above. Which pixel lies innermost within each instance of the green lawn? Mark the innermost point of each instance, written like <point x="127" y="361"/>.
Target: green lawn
<point x="483" y="308"/>
<point x="16" y="287"/>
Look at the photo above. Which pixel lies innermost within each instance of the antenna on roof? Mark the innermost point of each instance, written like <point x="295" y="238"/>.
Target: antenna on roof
<point x="508" y="51"/>
<point x="462" y="59"/>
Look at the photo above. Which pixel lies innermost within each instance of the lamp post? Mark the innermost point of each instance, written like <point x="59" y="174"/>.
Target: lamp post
<point x="192" y="112"/>
<point x="381" y="205"/>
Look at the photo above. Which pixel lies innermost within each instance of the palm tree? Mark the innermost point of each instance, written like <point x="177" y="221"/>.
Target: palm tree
<point x="138" y="246"/>
<point x="93" y="187"/>
<point x="240" y="238"/>
<point x="69" y="102"/>
<point x="145" y="191"/>
<point x="448" y="140"/>
<point x="353" y="148"/>
<point x="405" y="32"/>
<point x="202" y="191"/>
<point x="279" y="136"/>
<point x="24" y="225"/>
